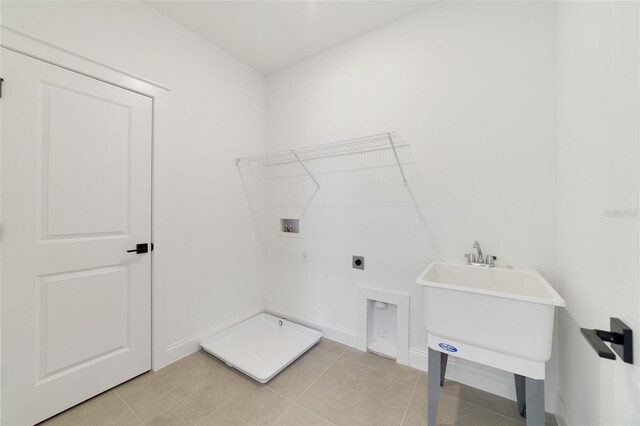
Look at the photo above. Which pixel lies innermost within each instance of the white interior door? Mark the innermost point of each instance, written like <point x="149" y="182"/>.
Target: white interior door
<point x="76" y="195"/>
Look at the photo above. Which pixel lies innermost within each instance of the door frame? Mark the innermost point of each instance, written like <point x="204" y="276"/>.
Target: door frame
<point x="39" y="49"/>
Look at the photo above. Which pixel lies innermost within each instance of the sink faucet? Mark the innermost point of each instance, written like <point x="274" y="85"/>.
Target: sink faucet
<point x="476" y="245"/>
<point x="480" y="260"/>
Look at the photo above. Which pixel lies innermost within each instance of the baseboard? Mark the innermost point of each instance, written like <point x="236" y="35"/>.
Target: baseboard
<point x="488" y="379"/>
<point x="330" y="331"/>
<point x="562" y="414"/>
<point x="191" y="344"/>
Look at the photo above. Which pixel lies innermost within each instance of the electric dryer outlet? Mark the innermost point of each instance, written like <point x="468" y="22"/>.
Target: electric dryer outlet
<point x="357" y="262"/>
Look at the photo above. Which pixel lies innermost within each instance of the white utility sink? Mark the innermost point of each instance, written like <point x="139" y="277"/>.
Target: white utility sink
<point x="496" y="316"/>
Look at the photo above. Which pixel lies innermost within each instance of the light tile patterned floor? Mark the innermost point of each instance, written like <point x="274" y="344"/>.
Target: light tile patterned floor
<point x="330" y="384"/>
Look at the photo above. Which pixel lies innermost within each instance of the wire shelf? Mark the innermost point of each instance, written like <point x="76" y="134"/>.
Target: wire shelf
<point x="287" y="182"/>
<point x="390" y="142"/>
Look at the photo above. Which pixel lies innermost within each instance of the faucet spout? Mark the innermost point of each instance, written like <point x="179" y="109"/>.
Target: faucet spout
<point x="476" y="245"/>
<point x="480" y="260"/>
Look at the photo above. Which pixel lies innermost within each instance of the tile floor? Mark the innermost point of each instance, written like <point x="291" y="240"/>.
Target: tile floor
<point x="330" y="384"/>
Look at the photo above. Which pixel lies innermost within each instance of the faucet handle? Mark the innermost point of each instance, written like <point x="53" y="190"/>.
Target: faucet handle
<point x="490" y="259"/>
<point x="470" y="257"/>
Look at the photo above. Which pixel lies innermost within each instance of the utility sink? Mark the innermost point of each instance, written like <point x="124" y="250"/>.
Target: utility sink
<point x="496" y="316"/>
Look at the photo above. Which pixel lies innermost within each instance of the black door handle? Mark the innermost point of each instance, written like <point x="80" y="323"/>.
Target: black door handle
<point x="140" y="249"/>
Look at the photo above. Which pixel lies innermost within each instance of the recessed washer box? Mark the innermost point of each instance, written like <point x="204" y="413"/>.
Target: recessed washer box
<point x="384" y="329"/>
<point x="290" y="227"/>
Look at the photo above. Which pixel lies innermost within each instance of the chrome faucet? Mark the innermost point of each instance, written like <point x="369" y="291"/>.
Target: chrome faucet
<point x="476" y="245"/>
<point x="480" y="260"/>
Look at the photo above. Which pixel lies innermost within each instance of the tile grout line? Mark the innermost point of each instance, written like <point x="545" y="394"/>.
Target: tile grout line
<point x="317" y="378"/>
<point x="406" y="410"/>
<point x="491" y="411"/>
<point x="317" y="415"/>
<point x="187" y="396"/>
<point x="415" y="383"/>
<point x="461" y="400"/>
<point x="263" y="386"/>
<point x="127" y="405"/>
<point x="485" y="408"/>
<point x="294" y="401"/>
<point x="283" y="413"/>
<point x="383" y="372"/>
<point x="517" y="420"/>
<point x="512" y="418"/>
<point x="313" y="383"/>
<point x="268" y="387"/>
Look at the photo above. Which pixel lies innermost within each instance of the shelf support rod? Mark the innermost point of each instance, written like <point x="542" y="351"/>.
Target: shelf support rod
<point x="395" y="154"/>
<point x="305" y="168"/>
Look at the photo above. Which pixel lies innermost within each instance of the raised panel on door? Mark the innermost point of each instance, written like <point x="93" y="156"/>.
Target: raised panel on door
<point x="101" y="299"/>
<point x="86" y="142"/>
<point x="76" y="195"/>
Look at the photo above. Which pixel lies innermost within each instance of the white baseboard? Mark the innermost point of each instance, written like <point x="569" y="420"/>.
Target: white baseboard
<point x="562" y="414"/>
<point x="497" y="382"/>
<point x="330" y="331"/>
<point x="191" y="344"/>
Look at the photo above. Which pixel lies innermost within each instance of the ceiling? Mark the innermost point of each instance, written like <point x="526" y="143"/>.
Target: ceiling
<point x="270" y="35"/>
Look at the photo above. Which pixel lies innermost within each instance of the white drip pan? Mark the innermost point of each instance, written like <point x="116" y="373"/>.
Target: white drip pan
<point x="261" y="346"/>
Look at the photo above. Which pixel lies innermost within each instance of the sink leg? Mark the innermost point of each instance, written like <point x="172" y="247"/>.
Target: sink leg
<point x="435" y="364"/>
<point x="443" y="366"/>
<point x="534" y="391"/>
<point x="520" y="394"/>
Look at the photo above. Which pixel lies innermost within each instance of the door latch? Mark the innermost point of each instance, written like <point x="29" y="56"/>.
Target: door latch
<point x="140" y="249"/>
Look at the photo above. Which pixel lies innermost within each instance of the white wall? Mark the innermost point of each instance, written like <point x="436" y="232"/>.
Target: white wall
<point x="208" y="261"/>
<point x="471" y="86"/>
<point x="598" y="164"/>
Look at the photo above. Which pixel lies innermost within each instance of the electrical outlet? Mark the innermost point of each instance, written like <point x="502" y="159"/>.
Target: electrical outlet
<point x="304" y="256"/>
<point x="357" y="262"/>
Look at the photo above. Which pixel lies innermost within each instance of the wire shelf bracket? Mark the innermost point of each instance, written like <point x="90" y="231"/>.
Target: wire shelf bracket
<point x="395" y="154"/>
<point x="305" y="168"/>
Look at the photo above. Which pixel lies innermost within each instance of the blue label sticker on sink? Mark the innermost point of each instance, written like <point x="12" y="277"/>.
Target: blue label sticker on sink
<point x="448" y="347"/>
